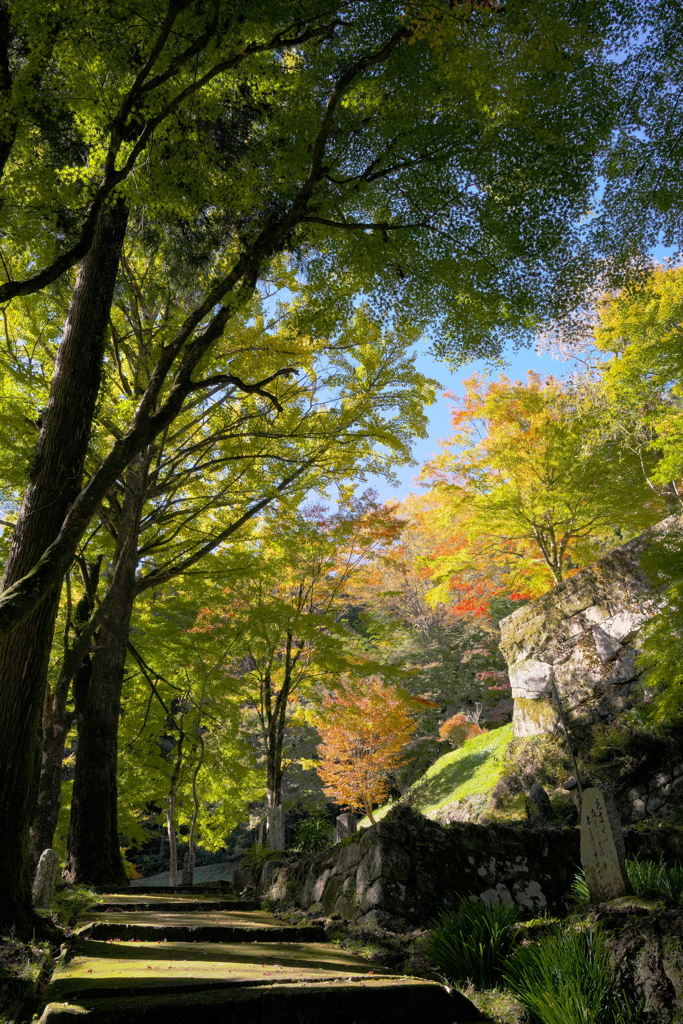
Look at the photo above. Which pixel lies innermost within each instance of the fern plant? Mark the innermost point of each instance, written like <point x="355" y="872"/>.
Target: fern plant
<point x="472" y="944"/>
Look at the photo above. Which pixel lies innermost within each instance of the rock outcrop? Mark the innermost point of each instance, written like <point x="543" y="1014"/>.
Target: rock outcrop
<point x="581" y="640"/>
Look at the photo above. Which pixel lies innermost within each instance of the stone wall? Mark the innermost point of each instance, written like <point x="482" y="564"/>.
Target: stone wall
<point x="406" y="869"/>
<point x="582" y="637"/>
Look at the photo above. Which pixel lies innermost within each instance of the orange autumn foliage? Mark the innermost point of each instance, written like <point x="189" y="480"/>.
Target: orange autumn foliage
<point x="457" y="729"/>
<point x="363" y="726"/>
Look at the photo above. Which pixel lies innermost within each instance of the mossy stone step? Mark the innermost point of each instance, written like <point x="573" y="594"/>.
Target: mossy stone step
<point x="369" y="1001"/>
<point x="187" y="926"/>
<point x="209" y="888"/>
<point x="118" y="968"/>
<point x="194" y="904"/>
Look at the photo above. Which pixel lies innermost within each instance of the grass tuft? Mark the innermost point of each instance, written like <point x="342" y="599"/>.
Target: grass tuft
<point x="566" y="978"/>
<point x="473" y="943"/>
<point x="647" y="878"/>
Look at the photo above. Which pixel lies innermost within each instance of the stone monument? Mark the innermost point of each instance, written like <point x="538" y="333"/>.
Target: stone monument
<point x="539" y="806"/>
<point x="46" y="876"/>
<point x="346" y="826"/>
<point x="602" y="847"/>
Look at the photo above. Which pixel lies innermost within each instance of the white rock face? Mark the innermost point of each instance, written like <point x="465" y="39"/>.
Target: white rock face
<point x="530" y="678"/>
<point x="582" y="638"/>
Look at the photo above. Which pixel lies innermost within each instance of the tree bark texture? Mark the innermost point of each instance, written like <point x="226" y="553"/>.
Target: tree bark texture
<point x="57" y="721"/>
<point x="93" y="854"/>
<point x="54" y="481"/>
<point x="56" y="724"/>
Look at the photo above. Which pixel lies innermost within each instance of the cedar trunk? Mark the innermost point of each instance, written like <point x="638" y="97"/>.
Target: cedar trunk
<point x="93" y="854"/>
<point x="54" y="481"/>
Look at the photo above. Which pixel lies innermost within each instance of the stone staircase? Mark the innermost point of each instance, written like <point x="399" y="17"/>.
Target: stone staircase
<point x="164" y="957"/>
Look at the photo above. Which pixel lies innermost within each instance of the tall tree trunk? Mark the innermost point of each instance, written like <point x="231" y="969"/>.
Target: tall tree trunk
<point x="54" y="481"/>
<point x="57" y="722"/>
<point x="276" y="838"/>
<point x="93" y="854"/>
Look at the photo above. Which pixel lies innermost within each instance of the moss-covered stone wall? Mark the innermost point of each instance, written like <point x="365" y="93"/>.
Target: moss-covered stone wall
<point x="406" y="869"/>
<point x="403" y="871"/>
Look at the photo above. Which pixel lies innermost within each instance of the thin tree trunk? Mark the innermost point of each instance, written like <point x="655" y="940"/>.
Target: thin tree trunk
<point x="93" y="854"/>
<point x="57" y="722"/>
<point x="368" y="810"/>
<point x="54" y="481"/>
<point x="276" y="719"/>
<point x="172" y="841"/>
<point x="188" y="865"/>
<point x="274" y="775"/>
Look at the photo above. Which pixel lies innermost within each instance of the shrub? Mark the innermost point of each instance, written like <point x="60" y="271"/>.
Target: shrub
<point x="566" y="979"/>
<point x="530" y="759"/>
<point x="70" y="902"/>
<point x="130" y="869"/>
<point x="473" y="943"/>
<point x="258" y="855"/>
<point x="313" y="834"/>
<point x="459" y="728"/>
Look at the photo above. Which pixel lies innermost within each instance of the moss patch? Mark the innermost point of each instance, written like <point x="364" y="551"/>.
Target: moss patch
<point x="498" y="1006"/>
<point x="471" y="770"/>
<point x="102" y="966"/>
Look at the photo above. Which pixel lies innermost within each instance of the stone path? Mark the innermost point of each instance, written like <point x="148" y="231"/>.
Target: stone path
<point x="172" y="957"/>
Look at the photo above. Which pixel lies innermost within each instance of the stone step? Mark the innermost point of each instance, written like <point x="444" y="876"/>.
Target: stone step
<point x="193" y="904"/>
<point x="189" y="926"/>
<point x="208" y="888"/>
<point x="113" y="967"/>
<point x="375" y="1002"/>
<point x="172" y="983"/>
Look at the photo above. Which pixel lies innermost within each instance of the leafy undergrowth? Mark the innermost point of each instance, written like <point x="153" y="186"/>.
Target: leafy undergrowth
<point x="406" y="954"/>
<point x="471" y="770"/>
<point x="473" y="943"/>
<point x="497" y="1005"/>
<point x="401" y="953"/>
<point x="21" y="967"/>
<point x="70" y="902"/>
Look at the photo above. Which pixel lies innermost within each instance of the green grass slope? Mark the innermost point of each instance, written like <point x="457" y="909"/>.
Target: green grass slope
<point x="471" y="770"/>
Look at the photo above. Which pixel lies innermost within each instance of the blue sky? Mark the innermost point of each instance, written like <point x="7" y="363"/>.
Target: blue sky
<point x="518" y="362"/>
<point x="439" y="414"/>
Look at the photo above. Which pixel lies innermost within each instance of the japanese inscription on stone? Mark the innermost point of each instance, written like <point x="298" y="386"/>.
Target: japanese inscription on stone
<point x="602" y="847"/>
